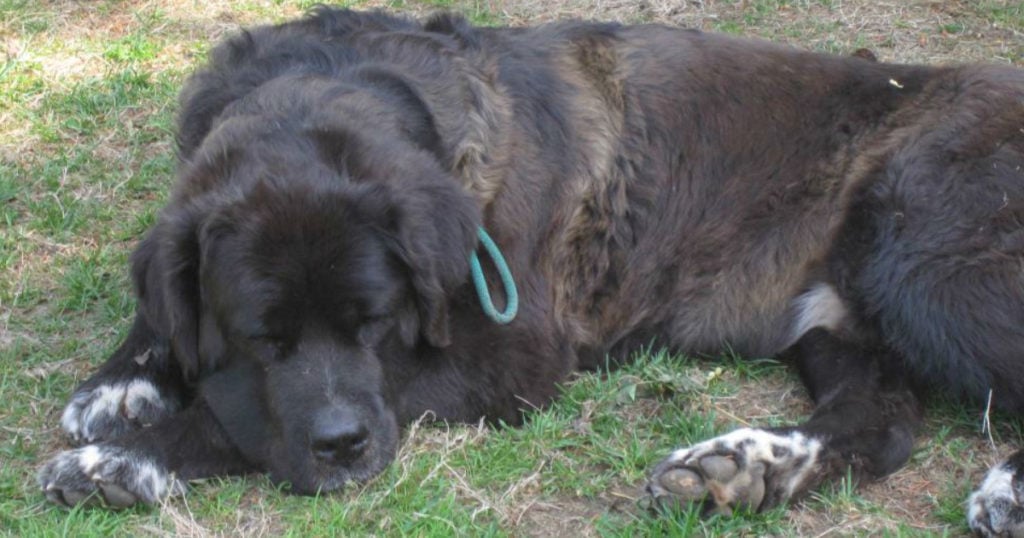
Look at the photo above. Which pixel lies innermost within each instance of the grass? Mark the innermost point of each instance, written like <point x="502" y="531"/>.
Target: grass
<point x="87" y="96"/>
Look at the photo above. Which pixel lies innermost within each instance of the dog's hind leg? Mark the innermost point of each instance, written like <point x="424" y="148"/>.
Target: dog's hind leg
<point x="961" y="326"/>
<point x="863" y="421"/>
<point x="963" y="323"/>
<point x="136" y="387"/>
<point x="943" y="269"/>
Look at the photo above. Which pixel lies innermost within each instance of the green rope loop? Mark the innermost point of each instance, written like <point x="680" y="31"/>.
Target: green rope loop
<point x="511" y="295"/>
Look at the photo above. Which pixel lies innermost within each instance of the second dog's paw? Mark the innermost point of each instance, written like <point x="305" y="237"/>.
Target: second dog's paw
<point x="107" y="411"/>
<point x="748" y="469"/>
<point x="112" y="475"/>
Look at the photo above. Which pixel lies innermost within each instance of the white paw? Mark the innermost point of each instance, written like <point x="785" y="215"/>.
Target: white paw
<point x="994" y="509"/>
<point x="748" y="469"/>
<point x="113" y="475"/>
<point x="107" y="411"/>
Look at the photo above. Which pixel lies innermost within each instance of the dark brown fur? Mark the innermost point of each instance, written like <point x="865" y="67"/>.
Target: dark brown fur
<point x="646" y="184"/>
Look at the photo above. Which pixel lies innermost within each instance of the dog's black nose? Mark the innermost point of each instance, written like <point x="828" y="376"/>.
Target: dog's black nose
<point x="338" y="436"/>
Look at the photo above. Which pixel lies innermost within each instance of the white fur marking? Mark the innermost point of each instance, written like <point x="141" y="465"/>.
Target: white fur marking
<point x="147" y="472"/>
<point x="984" y="505"/>
<point x="106" y="402"/>
<point x="998" y="483"/>
<point x="95" y="408"/>
<point x="818" y="307"/>
<point x="89" y="457"/>
<point x="138" y="392"/>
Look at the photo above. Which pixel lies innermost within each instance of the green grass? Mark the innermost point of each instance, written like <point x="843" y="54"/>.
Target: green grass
<point x="87" y="97"/>
<point x="1007" y="13"/>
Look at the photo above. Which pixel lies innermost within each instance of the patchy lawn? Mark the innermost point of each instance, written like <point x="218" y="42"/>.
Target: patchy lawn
<point x="87" y="96"/>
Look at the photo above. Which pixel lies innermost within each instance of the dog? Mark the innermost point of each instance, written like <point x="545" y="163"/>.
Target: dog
<point x="307" y="290"/>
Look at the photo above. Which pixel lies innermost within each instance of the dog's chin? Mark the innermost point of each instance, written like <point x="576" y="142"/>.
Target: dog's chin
<point x="304" y="474"/>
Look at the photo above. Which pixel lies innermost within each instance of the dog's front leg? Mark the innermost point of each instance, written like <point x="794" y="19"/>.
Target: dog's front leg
<point x="144" y="466"/>
<point x="139" y="385"/>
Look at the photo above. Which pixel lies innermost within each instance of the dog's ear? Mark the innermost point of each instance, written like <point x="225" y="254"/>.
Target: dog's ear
<point x="165" y="270"/>
<point x="233" y="395"/>
<point x="431" y="225"/>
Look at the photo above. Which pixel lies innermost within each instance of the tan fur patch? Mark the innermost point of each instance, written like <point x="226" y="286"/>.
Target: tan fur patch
<point x="476" y="158"/>
<point x="596" y="199"/>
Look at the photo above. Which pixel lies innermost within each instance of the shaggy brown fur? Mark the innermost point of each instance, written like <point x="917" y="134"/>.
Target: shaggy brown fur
<point x="306" y="290"/>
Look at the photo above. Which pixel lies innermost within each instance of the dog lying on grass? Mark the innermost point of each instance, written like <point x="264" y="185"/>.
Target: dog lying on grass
<point x="307" y="289"/>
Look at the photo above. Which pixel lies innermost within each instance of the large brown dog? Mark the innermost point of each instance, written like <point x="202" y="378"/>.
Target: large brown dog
<point x="306" y="291"/>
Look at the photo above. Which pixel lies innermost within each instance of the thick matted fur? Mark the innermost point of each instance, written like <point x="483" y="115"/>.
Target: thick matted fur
<point x="306" y="291"/>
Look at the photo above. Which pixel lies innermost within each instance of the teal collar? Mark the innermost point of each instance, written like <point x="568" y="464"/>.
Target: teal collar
<point x="511" y="295"/>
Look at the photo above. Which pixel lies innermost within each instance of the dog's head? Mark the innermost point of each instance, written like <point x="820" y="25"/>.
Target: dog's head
<point x="295" y="276"/>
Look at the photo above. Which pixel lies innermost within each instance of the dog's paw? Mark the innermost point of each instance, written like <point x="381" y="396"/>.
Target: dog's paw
<point x="995" y="508"/>
<point x="110" y="475"/>
<point x="107" y="411"/>
<point x="747" y="469"/>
